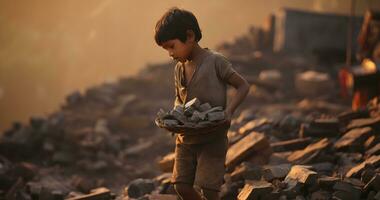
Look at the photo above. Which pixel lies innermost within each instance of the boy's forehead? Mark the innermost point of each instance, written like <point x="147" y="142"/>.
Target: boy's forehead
<point x="168" y="43"/>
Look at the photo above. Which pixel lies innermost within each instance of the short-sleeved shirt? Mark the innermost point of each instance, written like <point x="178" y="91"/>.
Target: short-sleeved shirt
<point x="208" y="84"/>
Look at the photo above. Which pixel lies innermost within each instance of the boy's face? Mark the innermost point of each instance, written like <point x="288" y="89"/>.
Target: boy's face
<point x="178" y="50"/>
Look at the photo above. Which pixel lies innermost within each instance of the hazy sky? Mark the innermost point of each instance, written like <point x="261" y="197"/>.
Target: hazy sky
<point x="50" y="48"/>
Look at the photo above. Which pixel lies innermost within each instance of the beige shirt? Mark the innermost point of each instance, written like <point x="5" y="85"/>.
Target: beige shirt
<point x="208" y="84"/>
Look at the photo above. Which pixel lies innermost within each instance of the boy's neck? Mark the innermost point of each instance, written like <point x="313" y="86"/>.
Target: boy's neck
<point x="196" y="52"/>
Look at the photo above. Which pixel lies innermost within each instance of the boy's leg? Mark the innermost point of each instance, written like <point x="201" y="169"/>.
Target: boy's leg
<point x="211" y="167"/>
<point x="211" y="194"/>
<point x="186" y="192"/>
<point x="185" y="163"/>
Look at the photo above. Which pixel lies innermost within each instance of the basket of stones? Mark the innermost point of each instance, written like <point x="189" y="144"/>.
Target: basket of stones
<point x="193" y="117"/>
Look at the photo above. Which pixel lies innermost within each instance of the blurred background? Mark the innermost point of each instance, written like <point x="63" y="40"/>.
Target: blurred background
<point x="52" y="48"/>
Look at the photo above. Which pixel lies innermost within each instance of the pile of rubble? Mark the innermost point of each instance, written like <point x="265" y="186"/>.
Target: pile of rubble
<point x="330" y="158"/>
<point x="97" y="139"/>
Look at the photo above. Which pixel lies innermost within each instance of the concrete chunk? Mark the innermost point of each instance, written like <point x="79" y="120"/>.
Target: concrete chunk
<point x="302" y="174"/>
<point x="311" y="151"/>
<point x="374" y="123"/>
<point x="290" y="145"/>
<point x="96" y="194"/>
<point x="353" y="139"/>
<point x="276" y="171"/>
<point x="357" y="170"/>
<point x="255" y="190"/>
<point x="215" y="116"/>
<point x="205" y="107"/>
<point x="246" y="171"/>
<point x="254" y="142"/>
<point x="251" y="125"/>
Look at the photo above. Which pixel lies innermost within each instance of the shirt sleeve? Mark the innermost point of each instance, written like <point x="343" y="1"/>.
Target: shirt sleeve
<point x="224" y="68"/>
<point x="177" y="100"/>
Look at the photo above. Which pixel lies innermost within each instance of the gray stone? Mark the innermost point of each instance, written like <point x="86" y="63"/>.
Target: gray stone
<point x="189" y="111"/>
<point x="246" y="171"/>
<point x="205" y="107"/>
<point x="215" y="116"/>
<point x="276" y="171"/>
<point x="178" y="116"/>
<point x="196" y="117"/>
<point x="139" y="187"/>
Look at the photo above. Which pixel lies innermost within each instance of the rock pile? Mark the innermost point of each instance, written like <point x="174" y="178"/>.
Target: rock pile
<point x="192" y="115"/>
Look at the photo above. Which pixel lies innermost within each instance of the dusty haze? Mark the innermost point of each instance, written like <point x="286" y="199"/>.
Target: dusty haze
<point x="50" y="48"/>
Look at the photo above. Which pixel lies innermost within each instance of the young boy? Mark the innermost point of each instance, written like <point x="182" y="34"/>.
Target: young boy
<point x="201" y="73"/>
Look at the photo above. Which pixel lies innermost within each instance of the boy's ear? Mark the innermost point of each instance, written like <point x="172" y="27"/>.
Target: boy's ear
<point x="190" y="35"/>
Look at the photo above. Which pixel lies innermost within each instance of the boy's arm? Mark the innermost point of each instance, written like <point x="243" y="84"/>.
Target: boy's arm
<point x="177" y="100"/>
<point x="242" y="89"/>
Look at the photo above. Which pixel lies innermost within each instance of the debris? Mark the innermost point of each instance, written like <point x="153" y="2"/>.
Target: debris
<point x="309" y="153"/>
<point x="255" y="190"/>
<point x="253" y="142"/>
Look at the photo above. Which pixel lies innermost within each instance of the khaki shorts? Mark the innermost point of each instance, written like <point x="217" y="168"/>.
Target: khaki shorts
<point x="201" y="164"/>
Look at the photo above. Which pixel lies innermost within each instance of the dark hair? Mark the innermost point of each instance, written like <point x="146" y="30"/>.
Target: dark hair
<point x="174" y="24"/>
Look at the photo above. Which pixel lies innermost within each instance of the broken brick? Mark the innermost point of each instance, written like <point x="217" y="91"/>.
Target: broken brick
<point x="96" y="194"/>
<point x="357" y="170"/>
<point x="251" y="125"/>
<point x="253" y="190"/>
<point x="311" y="151"/>
<point x="374" y="150"/>
<point x="251" y="143"/>
<point x="374" y="123"/>
<point x="302" y="174"/>
<point x="353" y="139"/>
<point x="290" y="145"/>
